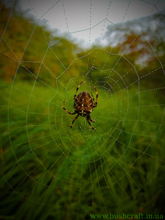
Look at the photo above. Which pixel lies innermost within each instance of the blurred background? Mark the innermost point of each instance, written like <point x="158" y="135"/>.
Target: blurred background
<point x="50" y="171"/>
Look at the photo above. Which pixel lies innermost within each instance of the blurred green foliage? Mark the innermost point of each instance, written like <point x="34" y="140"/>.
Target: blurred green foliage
<point x="50" y="172"/>
<point x="47" y="56"/>
<point x="44" y="176"/>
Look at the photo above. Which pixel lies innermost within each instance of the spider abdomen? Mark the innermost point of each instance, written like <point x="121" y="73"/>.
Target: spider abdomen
<point x="83" y="104"/>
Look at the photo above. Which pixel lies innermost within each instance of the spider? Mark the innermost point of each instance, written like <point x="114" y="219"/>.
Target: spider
<point x="83" y="105"/>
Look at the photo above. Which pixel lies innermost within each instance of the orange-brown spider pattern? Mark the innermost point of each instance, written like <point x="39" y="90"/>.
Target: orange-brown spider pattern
<point x="83" y="105"/>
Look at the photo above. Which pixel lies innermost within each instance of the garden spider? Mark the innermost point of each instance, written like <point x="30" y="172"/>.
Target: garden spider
<point x="83" y="105"/>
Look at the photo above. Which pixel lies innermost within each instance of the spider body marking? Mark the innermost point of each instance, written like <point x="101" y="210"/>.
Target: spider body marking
<point x="83" y="105"/>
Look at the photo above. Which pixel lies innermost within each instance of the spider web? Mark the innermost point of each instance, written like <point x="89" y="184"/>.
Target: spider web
<point x="77" y="172"/>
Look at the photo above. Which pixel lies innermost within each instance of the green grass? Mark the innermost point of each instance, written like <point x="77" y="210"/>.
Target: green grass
<point x="50" y="171"/>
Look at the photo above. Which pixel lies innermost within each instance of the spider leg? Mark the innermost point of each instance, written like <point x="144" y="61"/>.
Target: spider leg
<point x="90" y="124"/>
<point x="74" y="120"/>
<point x="78" y="88"/>
<point x="67" y="110"/>
<point x="88" y="120"/>
<point x="95" y="104"/>
<point x="92" y="120"/>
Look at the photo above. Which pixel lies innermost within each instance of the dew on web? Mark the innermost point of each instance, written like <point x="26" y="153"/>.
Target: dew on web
<point x="71" y="173"/>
